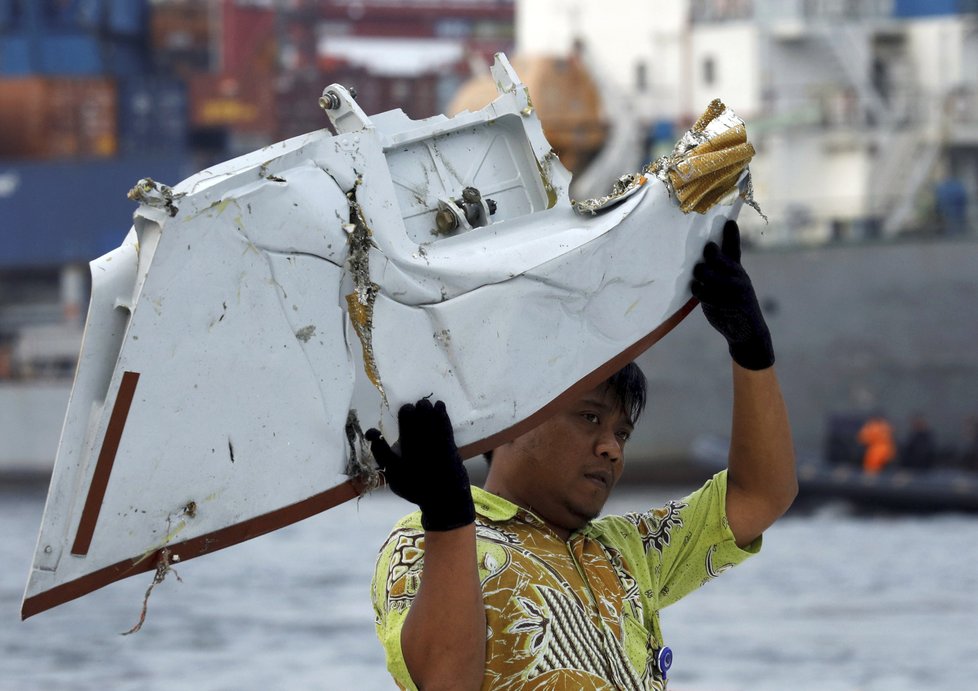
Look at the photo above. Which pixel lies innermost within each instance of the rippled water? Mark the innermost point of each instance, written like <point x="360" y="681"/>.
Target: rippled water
<point x="834" y="602"/>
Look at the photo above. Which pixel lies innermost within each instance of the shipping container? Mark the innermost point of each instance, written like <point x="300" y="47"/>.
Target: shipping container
<point x="126" y="58"/>
<point x="127" y="17"/>
<point x="77" y="54"/>
<point x="15" y="55"/>
<point x="89" y="38"/>
<point x="419" y="96"/>
<point x="180" y="37"/>
<point x="57" y="117"/>
<point x="929" y="8"/>
<point x="297" y="104"/>
<point x="152" y="115"/>
<point x="248" y="38"/>
<point x="117" y="17"/>
<point x="240" y="103"/>
<point x="61" y="212"/>
<point x="34" y="54"/>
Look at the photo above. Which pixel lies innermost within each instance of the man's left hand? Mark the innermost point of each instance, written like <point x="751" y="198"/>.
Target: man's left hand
<point x="724" y="289"/>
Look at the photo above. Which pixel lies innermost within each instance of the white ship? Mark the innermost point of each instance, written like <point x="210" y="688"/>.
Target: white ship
<point x="865" y="117"/>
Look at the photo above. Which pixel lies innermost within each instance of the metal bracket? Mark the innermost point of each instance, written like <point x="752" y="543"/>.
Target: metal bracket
<point x="342" y="110"/>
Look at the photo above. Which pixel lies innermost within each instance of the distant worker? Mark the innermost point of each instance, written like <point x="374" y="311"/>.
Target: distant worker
<point x="877" y="436"/>
<point x="919" y="449"/>
<point x="968" y="459"/>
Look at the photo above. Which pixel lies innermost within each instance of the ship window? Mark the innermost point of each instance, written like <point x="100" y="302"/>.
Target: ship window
<point x="709" y="71"/>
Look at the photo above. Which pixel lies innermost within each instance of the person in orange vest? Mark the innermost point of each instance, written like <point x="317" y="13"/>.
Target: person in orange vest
<point x="877" y="436"/>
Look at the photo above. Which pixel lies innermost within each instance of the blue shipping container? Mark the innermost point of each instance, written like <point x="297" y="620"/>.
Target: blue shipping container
<point x="15" y="56"/>
<point x="58" y="213"/>
<point x="128" y="17"/>
<point x="152" y="115"/>
<point x="926" y="8"/>
<point x="70" y="55"/>
<point x="79" y="37"/>
<point x="125" y="58"/>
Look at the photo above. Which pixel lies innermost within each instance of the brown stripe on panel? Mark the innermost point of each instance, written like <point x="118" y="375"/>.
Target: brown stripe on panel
<point x="195" y="547"/>
<point x="103" y="467"/>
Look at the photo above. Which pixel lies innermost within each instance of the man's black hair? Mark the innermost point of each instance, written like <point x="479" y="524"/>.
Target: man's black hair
<point x="630" y="388"/>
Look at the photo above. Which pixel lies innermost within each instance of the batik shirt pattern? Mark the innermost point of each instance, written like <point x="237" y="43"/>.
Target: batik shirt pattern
<point x="574" y="614"/>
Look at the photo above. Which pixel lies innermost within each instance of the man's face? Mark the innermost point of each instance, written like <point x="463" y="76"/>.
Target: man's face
<point x="565" y="469"/>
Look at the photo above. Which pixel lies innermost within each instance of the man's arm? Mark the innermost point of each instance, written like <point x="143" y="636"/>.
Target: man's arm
<point x="761" y="481"/>
<point x="444" y="635"/>
<point x="443" y="639"/>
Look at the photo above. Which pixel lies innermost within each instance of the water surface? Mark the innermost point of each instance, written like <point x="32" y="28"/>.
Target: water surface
<point x="834" y="602"/>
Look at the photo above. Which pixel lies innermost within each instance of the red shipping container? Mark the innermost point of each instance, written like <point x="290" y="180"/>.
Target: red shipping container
<point x="248" y="39"/>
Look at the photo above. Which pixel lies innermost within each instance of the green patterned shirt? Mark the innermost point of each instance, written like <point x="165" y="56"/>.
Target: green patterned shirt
<point x="576" y="614"/>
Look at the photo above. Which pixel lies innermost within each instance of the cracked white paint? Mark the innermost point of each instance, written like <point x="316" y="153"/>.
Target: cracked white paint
<point x="240" y="327"/>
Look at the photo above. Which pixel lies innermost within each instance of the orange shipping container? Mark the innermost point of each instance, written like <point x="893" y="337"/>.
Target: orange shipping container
<point x="240" y="104"/>
<point x="58" y="117"/>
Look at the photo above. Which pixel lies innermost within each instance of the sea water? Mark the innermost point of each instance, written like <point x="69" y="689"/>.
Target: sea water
<point x="834" y="602"/>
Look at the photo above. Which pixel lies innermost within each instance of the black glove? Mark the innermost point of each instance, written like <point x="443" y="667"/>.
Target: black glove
<point x="427" y="470"/>
<point x="729" y="303"/>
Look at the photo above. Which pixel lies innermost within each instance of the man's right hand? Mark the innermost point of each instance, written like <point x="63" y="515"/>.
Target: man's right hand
<point x="427" y="469"/>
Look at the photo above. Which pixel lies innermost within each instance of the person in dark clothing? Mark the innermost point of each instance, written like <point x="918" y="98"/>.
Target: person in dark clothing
<point x="919" y="449"/>
<point x="968" y="459"/>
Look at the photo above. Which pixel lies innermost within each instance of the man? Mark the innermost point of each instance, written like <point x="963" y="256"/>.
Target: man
<point x="520" y="585"/>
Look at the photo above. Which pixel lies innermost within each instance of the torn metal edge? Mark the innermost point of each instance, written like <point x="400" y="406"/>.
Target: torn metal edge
<point x="194" y="547"/>
<point x="360" y="303"/>
<point x="360" y="467"/>
<point x="716" y="114"/>
<point x="155" y="194"/>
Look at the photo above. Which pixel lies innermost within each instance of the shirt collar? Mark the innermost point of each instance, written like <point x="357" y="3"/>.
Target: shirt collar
<point x="494" y="508"/>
